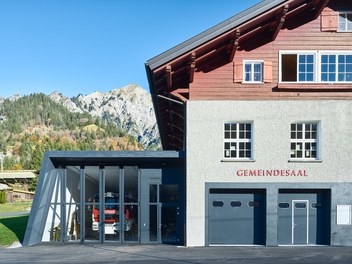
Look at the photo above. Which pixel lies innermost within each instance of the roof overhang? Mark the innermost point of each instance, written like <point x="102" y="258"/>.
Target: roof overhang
<point x="171" y="72"/>
<point x="115" y="158"/>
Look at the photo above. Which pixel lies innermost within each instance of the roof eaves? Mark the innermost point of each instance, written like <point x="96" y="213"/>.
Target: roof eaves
<point x="212" y="32"/>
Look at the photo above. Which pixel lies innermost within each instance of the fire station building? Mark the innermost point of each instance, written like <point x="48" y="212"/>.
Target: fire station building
<point x="255" y="117"/>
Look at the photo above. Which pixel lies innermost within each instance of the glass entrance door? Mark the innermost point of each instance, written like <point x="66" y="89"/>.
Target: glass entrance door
<point x="163" y="211"/>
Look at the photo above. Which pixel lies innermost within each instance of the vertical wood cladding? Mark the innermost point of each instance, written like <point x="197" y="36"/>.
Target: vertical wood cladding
<point x="224" y="82"/>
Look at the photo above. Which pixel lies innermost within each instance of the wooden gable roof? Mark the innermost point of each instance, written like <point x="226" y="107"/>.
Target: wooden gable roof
<point x="171" y="73"/>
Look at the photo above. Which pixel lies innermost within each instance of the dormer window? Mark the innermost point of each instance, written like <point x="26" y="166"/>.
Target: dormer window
<point x="345" y="22"/>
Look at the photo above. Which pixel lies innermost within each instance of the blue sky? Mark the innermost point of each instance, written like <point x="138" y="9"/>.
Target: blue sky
<point x="82" y="46"/>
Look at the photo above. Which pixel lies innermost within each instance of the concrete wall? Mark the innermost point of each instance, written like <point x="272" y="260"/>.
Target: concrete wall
<point x="271" y="150"/>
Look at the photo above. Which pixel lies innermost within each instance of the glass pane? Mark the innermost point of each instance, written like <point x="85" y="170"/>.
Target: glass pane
<point x="112" y="217"/>
<point x="310" y="77"/>
<point x="91" y="183"/>
<point x="324" y="77"/>
<point x="257" y="77"/>
<point x="73" y="222"/>
<point x="131" y="223"/>
<point x="349" y="58"/>
<point x="218" y="203"/>
<point x="131" y="184"/>
<point x="324" y="58"/>
<point x="168" y="224"/>
<point x="332" y="77"/>
<point x="253" y="204"/>
<point x="153" y="223"/>
<point x="248" y="77"/>
<point x="302" y="58"/>
<point x="310" y="59"/>
<point x="300" y="205"/>
<point x="91" y="197"/>
<point x="92" y="222"/>
<point x="236" y="204"/>
<point x="112" y="203"/>
<point x="153" y="191"/>
<point x="73" y="184"/>
<point x="169" y="193"/>
<point x="52" y="230"/>
<point x="56" y="193"/>
<point x="341" y="58"/>
<point x="284" y="205"/>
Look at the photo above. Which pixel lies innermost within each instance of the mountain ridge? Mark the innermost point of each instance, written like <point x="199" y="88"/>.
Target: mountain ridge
<point x="129" y="107"/>
<point x="121" y="119"/>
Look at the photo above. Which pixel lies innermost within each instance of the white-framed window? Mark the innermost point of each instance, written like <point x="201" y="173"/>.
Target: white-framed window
<point x="253" y="71"/>
<point x="305" y="141"/>
<point x="345" y="22"/>
<point x="335" y="67"/>
<point x="318" y="66"/>
<point x="238" y="140"/>
<point x="298" y="66"/>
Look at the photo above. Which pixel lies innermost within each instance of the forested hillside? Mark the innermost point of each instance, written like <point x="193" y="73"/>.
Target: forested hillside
<point x="35" y="123"/>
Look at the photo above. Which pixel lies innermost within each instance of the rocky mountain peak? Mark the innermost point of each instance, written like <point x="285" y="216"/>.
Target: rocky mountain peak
<point x="129" y="107"/>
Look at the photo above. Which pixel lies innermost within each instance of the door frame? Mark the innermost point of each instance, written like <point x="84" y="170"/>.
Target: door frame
<point x="293" y="219"/>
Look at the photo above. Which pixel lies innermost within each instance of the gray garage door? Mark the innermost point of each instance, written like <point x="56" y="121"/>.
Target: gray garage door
<point x="237" y="216"/>
<point x="304" y="217"/>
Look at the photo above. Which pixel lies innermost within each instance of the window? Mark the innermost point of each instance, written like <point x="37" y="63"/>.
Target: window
<point x="284" y="205"/>
<point x="218" y="203"/>
<point x="345" y="21"/>
<point x="300" y="205"/>
<point x="304" y="141"/>
<point x="253" y="204"/>
<point x="236" y="204"/>
<point x="253" y="71"/>
<point x="238" y="140"/>
<point x="298" y="67"/>
<point x="336" y="68"/>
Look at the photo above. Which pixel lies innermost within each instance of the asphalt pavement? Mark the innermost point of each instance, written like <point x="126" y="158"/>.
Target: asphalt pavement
<point x="112" y="253"/>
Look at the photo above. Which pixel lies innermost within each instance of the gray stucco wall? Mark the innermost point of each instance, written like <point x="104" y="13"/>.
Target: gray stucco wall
<point x="271" y="150"/>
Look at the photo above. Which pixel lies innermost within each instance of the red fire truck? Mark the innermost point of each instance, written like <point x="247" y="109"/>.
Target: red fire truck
<point x="111" y="214"/>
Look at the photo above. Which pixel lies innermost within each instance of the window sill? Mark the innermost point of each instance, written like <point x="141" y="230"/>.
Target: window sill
<point x="237" y="160"/>
<point x="304" y="161"/>
<point x="252" y="82"/>
<point x="297" y="86"/>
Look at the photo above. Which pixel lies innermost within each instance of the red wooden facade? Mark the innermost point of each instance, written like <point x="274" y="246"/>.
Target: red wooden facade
<point x="214" y="69"/>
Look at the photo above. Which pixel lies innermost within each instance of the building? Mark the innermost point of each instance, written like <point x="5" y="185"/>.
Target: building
<point x="70" y="186"/>
<point x="261" y="103"/>
<point x="255" y="119"/>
